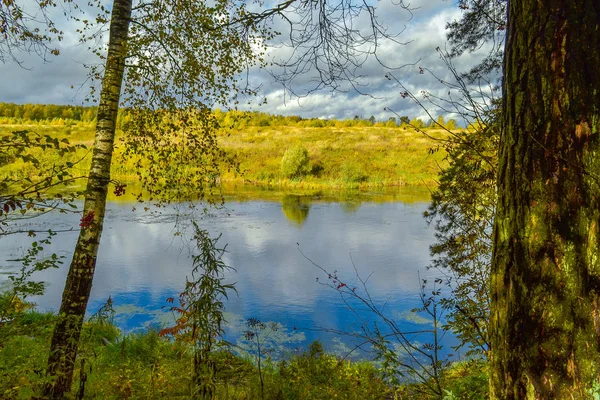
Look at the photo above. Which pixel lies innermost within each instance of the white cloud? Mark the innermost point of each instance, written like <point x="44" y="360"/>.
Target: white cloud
<point x="51" y="82"/>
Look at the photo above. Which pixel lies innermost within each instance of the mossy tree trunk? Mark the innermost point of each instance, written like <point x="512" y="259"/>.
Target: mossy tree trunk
<point x="545" y="323"/>
<point x="63" y="351"/>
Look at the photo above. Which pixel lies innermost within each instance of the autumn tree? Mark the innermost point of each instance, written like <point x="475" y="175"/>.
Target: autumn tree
<point x="462" y="212"/>
<point x="170" y="62"/>
<point x="28" y="26"/>
<point x="545" y="277"/>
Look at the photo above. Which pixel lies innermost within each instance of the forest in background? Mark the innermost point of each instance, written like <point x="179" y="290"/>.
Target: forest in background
<point x="51" y="114"/>
<point x="321" y="154"/>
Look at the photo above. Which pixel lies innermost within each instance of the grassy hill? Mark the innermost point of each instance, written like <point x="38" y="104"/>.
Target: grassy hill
<point x="339" y="157"/>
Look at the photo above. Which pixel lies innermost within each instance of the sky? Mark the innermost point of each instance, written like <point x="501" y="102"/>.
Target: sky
<point x="62" y="79"/>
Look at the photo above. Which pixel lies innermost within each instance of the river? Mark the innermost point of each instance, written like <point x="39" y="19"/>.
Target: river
<point x="272" y="245"/>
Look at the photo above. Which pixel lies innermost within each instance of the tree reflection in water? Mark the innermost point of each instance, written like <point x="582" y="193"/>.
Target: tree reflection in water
<point x="295" y="208"/>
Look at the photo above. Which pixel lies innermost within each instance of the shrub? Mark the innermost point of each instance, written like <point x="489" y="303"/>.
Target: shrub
<point x="294" y="163"/>
<point x="391" y="123"/>
<point x="315" y="374"/>
<point x="451" y="124"/>
<point x="316" y="123"/>
<point x="353" y="173"/>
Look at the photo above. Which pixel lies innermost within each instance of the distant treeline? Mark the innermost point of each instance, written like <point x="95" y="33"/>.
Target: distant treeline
<point x="61" y="114"/>
<point x="47" y="112"/>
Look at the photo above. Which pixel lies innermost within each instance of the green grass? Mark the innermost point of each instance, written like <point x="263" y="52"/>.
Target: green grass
<point x="340" y="158"/>
<point x="145" y="365"/>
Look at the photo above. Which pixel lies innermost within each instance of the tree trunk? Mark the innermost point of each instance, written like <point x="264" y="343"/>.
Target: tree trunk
<point x="545" y="278"/>
<point x="63" y="351"/>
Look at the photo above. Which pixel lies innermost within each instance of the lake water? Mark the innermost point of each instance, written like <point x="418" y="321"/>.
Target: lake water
<point x="142" y="262"/>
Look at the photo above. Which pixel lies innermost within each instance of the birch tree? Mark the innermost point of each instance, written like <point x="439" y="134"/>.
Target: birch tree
<point x="170" y="62"/>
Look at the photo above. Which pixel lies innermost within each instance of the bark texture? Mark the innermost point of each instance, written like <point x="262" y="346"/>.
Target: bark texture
<point x="545" y="282"/>
<point x="63" y="351"/>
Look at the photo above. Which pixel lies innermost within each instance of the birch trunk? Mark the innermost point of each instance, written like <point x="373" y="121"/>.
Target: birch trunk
<point x="63" y="351"/>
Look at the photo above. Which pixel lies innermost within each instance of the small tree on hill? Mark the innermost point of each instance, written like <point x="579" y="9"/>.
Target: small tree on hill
<point x="294" y="163"/>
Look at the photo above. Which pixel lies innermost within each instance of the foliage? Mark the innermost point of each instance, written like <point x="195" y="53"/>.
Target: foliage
<point x="61" y="115"/>
<point x="314" y="374"/>
<point x="294" y="163"/>
<point x="351" y="172"/>
<point x="463" y="205"/>
<point x="257" y="335"/>
<point x="23" y="354"/>
<point x="22" y="193"/>
<point x="417" y="123"/>
<point x="47" y="112"/>
<point x="395" y="156"/>
<point x="462" y="210"/>
<point x="199" y="51"/>
<point x="404" y="363"/>
<point x="146" y="365"/>
<point x="14" y="301"/>
<point x="175" y="155"/>
<point x="466" y="380"/>
<point x="27" y="26"/>
<point x="169" y="62"/>
<point x="482" y="23"/>
<point x="201" y="307"/>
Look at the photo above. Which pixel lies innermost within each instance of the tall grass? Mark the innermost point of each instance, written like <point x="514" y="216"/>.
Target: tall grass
<point x="340" y="157"/>
<point x="144" y="365"/>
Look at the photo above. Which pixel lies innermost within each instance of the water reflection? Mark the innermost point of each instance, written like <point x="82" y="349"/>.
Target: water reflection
<point x="141" y="262"/>
<point x="295" y="208"/>
<point x="350" y="207"/>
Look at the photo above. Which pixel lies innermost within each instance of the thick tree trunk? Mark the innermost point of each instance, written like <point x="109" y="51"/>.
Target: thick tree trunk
<point x="63" y="351"/>
<point x="545" y="322"/>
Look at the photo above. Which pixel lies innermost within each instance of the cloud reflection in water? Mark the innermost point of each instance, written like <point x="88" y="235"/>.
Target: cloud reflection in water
<point x="141" y="262"/>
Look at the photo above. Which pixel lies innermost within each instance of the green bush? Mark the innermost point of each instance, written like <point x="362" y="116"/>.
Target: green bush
<point x="294" y="163"/>
<point x="315" y="375"/>
<point x="316" y="123"/>
<point x="353" y="173"/>
<point x="467" y="380"/>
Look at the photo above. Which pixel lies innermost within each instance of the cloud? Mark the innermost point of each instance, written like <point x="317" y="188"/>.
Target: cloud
<point x="45" y="82"/>
<point x="425" y="30"/>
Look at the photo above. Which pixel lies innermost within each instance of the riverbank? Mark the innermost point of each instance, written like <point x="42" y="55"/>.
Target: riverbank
<point x="112" y="364"/>
<point x="339" y="158"/>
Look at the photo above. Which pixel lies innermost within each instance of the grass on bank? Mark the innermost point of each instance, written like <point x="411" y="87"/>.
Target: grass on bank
<point x="114" y="365"/>
<point x="339" y="158"/>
